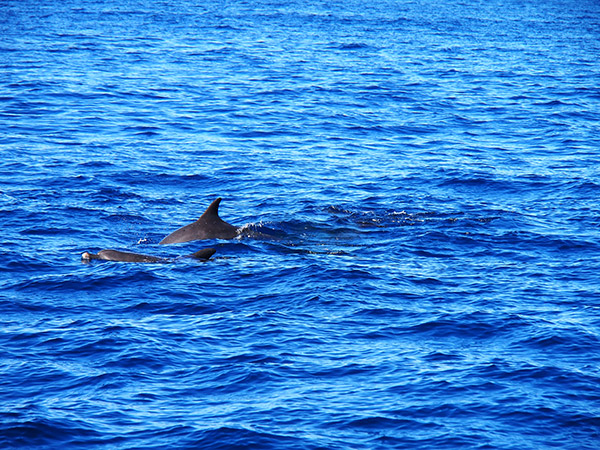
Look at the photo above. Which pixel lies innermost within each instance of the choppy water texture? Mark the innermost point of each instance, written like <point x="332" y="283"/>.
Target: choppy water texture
<point x="424" y="179"/>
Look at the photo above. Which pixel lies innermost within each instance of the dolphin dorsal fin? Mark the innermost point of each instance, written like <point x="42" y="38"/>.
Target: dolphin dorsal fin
<point x="212" y="211"/>
<point x="208" y="226"/>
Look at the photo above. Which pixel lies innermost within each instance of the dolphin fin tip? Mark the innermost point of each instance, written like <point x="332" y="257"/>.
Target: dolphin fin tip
<point x="204" y="254"/>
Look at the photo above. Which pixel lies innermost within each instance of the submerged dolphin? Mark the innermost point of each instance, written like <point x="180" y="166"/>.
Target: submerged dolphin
<point x="208" y="226"/>
<point x="115" y="255"/>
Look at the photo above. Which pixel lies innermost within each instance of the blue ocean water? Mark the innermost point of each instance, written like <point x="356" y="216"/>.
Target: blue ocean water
<point x="424" y="179"/>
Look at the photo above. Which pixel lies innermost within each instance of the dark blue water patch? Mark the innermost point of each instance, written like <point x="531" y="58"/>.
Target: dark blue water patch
<point x="177" y="305"/>
<point x="114" y="275"/>
<point x="111" y="195"/>
<point x="236" y="438"/>
<point x="476" y="325"/>
<point x="130" y="218"/>
<point x="549" y="243"/>
<point x="560" y="341"/>
<point x="143" y="131"/>
<point x="44" y="433"/>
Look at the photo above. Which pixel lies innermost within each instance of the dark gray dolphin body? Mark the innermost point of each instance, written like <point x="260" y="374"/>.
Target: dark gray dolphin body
<point x="116" y="255"/>
<point x="208" y="226"/>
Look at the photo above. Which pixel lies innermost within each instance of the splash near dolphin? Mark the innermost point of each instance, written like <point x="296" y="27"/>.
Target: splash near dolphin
<point x="208" y="226"/>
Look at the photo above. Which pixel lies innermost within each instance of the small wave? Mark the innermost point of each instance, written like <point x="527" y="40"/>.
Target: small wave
<point x="353" y="46"/>
<point x="177" y="306"/>
<point x="227" y="437"/>
<point x="46" y="433"/>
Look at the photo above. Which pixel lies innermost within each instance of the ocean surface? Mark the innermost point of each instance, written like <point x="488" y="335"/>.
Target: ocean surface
<point x="418" y="186"/>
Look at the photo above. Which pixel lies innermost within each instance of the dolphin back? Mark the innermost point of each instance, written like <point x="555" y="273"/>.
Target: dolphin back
<point x="116" y="255"/>
<point x="208" y="226"/>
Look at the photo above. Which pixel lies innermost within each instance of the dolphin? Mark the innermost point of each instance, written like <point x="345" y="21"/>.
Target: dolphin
<point x="208" y="226"/>
<point x="116" y="255"/>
